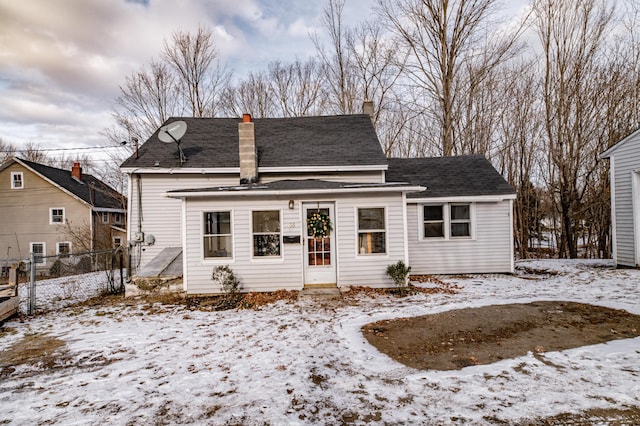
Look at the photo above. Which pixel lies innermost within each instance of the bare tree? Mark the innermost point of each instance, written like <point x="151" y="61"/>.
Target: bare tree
<point x="298" y="88"/>
<point x="337" y="61"/>
<point x="442" y="37"/>
<point x="196" y="63"/>
<point x="251" y="96"/>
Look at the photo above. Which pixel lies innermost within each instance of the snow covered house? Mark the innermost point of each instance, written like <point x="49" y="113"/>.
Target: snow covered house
<point x="624" y="162"/>
<point x="294" y="202"/>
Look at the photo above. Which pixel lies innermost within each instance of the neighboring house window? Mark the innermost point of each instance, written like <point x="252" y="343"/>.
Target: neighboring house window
<point x="217" y="240"/>
<point x="460" y="220"/>
<point x="433" y="221"/>
<point x="446" y="220"/>
<point x="17" y="181"/>
<point x="63" y="248"/>
<point x="117" y="242"/>
<point x="56" y="216"/>
<point x="38" y="250"/>
<point x="266" y="233"/>
<point x="371" y="231"/>
<point x="105" y="217"/>
<point x="119" y="218"/>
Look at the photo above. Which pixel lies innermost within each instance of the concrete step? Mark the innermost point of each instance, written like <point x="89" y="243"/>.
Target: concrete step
<point x="323" y="293"/>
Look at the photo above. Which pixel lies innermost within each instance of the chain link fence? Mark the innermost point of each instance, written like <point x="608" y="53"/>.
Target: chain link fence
<point x="48" y="283"/>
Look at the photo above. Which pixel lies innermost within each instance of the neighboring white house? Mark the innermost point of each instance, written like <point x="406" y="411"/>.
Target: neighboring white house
<point x="249" y="191"/>
<point x="624" y="162"/>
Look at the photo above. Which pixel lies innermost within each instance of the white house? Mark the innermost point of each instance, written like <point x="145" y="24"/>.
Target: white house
<point x="624" y="161"/>
<point x="247" y="192"/>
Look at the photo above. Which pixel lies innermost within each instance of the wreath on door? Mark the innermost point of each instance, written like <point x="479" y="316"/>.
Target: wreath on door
<point x="319" y="225"/>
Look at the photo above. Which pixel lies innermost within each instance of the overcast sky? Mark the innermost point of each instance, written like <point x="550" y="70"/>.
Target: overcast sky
<point x="61" y="62"/>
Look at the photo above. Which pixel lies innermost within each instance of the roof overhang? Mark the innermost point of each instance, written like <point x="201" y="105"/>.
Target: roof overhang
<point x="243" y="191"/>
<point x="612" y="149"/>
<point x="108" y="210"/>
<point x="463" y="199"/>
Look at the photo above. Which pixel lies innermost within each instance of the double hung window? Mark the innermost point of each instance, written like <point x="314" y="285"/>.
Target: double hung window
<point x="266" y="233"/>
<point x="372" y="234"/>
<point x="448" y="220"/>
<point x="217" y="239"/>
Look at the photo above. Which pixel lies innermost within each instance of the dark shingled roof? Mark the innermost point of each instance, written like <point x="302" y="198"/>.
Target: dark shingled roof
<point x="103" y="197"/>
<point x="335" y="141"/>
<point x="466" y="175"/>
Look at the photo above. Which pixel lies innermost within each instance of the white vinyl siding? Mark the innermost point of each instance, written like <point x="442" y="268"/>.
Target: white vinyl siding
<point x="161" y="215"/>
<point x="488" y="252"/>
<point x="286" y="271"/>
<point x="625" y="162"/>
<point x="354" y="177"/>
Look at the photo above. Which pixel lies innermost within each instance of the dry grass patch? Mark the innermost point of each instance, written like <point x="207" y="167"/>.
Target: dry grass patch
<point x="37" y="350"/>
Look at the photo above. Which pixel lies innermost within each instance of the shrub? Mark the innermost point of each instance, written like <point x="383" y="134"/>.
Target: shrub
<point x="399" y="272"/>
<point x="224" y="277"/>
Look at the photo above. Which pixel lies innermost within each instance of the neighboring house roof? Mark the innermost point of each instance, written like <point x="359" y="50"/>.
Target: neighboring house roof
<point x="90" y="189"/>
<point x="325" y="141"/>
<point x="466" y="175"/>
<point x="611" y="150"/>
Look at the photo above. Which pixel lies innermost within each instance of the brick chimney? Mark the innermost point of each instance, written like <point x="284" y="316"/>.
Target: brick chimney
<point x="248" y="154"/>
<point x="76" y="171"/>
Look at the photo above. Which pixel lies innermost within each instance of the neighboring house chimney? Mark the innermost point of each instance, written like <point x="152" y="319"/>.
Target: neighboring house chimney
<point x="248" y="156"/>
<point x="367" y="108"/>
<point x="76" y="171"/>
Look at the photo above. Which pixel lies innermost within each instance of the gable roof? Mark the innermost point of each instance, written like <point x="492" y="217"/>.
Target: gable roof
<point x="102" y="197"/>
<point x="325" y="141"/>
<point x="465" y="175"/>
<point x="611" y="150"/>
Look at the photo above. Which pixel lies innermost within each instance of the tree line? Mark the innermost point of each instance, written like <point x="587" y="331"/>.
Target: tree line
<point x="540" y="97"/>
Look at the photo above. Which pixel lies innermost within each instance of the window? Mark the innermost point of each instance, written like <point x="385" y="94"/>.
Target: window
<point x="266" y="233"/>
<point x="446" y="221"/>
<point x="118" y="218"/>
<point x="117" y="242"/>
<point x="460" y="220"/>
<point x="433" y="222"/>
<point x="105" y="217"/>
<point x="38" y="250"/>
<point x="217" y="234"/>
<point x="63" y="248"/>
<point x="56" y="216"/>
<point x="371" y="231"/>
<point x="17" y="181"/>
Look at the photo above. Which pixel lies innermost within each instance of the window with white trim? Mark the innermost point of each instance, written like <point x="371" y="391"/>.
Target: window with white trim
<point x="38" y="250"/>
<point x="266" y="233"/>
<point x="447" y="221"/>
<point x="460" y="220"/>
<point x="105" y="217"/>
<point x="433" y="221"/>
<point x="63" y="248"/>
<point x="17" y="180"/>
<point x="117" y="242"/>
<point x="56" y="216"/>
<point x="217" y="238"/>
<point x="372" y="234"/>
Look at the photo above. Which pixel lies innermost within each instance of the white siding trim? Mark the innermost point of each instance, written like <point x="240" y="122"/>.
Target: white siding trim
<point x="511" y="236"/>
<point x="635" y="211"/>
<point x="405" y="228"/>
<point x="614" y="233"/>
<point x="463" y="199"/>
<point x="185" y="254"/>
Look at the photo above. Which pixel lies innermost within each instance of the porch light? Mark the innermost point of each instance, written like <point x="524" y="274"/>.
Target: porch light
<point x="291" y="204"/>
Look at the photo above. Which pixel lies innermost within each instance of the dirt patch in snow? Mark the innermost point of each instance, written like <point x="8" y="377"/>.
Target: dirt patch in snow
<point x="39" y="350"/>
<point x="460" y="338"/>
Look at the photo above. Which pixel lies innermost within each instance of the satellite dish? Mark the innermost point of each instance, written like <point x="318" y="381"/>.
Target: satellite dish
<point x="173" y="132"/>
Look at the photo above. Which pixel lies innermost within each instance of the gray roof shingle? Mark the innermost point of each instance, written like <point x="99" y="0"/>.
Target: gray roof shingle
<point x="102" y="196"/>
<point x="466" y="175"/>
<point x="333" y="141"/>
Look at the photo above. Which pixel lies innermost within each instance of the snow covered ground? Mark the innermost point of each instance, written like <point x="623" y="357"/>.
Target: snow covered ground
<point x="306" y="363"/>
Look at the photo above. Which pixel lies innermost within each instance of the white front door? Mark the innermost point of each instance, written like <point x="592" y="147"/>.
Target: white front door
<point x="319" y="252"/>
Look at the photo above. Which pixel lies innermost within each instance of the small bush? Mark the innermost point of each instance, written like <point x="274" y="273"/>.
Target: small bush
<point x="399" y="272"/>
<point x="224" y="277"/>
